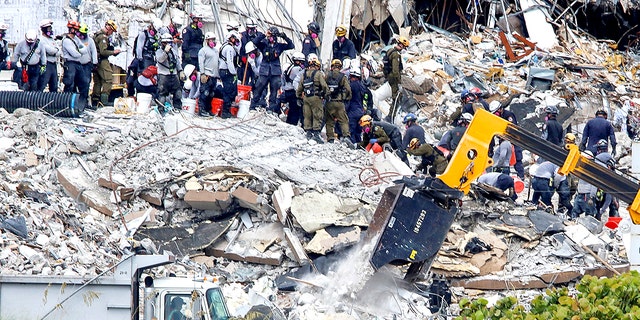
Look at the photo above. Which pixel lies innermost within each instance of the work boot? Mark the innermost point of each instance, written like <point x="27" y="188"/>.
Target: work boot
<point x="347" y="142"/>
<point x="317" y="138"/>
<point x="104" y="99"/>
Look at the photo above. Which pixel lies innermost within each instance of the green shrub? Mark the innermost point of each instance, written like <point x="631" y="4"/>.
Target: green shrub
<point x="606" y="298"/>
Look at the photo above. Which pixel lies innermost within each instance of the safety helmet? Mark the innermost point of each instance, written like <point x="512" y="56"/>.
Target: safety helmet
<point x="45" y="23"/>
<point x="466" y="117"/>
<point x="341" y="31"/>
<point x="296" y="56"/>
<point x="404" y="41"/>
<point x="233" y="25"/>
<point x="414" y="144"/>
<point x="494" y="106"/>
<point x="4" y="27"/>
<point x="409" y="117"/>
<point x="251" y="23"/>
<point x="209" y="35"/>
<point x="73" y="24"/>
<point x="84" y="28"/>
<point x="466" y="94"/>
<point x="336" y="63"/>
<point x="111" y="24"/>
<point x="274" y="31"/>
<point x="188" y="69"/>
<point x="249" y="47"/>
<point x="157" y="23"/>
<point x="195" y="16"/>
<point x="234" y="35"/>
<point x="601" y="112"/>
<point x="313" y="60"/>
<point x="314" y="27"/>
<point x="570" y="138"/>
<point x="166" y="37"/>
<point x="551" y="109"/>
<point x="188" y="85"/>
<point x="588" y="154"/>
<point x="31" y="35"/>
<point x="365" y="120"/>
<point x="476" y="91"/>
<point x="355" y="72"/>
<point x="602" y="144"/>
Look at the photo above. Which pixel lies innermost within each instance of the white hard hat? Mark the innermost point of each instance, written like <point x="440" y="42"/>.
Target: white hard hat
<point x="249" y="47"/>
<point x="297" y="56"/>
<point x="166" y="37"/>
<point x="4" y="27"/>
<point x="233" y="25"/>
<point x="188" y="69"/>
<point x="209" y="35"/>
<point x="31" y="35"/>
<point x="355" y="72"/>
<point x="251" y="23"/>
<point x="466" y="117"/>
<point x="233" y="34"/>
<point x="494" y="106"/>
<point x="188" y="85"/>
<point x="45" y="23"/>
<point x="157" y="23"/>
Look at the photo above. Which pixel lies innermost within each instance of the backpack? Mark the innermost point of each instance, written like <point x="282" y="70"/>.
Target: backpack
<point x="307" y="84"/>
<point x="334" y="85"/>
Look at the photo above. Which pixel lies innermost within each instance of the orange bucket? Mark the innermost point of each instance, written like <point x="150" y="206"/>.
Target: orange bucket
<point x="234" y="111"/>
<point x="518" y="185"/>
<point x="613" y="222"/>
<point x="216" y="106"/>
<point x="243" y="93"/>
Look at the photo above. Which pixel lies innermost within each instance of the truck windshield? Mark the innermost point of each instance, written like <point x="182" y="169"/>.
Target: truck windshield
<point x="217" y="307"/>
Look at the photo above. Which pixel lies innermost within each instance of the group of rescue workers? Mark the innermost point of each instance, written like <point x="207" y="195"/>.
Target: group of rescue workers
<point x="172" y="65"/>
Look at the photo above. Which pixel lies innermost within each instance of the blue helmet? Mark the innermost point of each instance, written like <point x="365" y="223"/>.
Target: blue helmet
<point x="409" y="117"/>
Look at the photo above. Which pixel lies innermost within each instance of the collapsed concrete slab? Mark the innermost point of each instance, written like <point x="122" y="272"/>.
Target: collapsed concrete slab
<point x="252" y="245"/>
<point x="80" y="186"/>
<point x="314" y="210"/>
<point x="332" y="239"/>
<point x="208" y="200"/>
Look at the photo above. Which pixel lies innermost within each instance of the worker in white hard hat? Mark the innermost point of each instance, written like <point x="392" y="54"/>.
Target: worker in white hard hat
<point x="5" y="64"/>
<point x="191" y="86"/>
<point x="290" y="81"/>
<point x="170" y="74"/>
<point x="33" y="58"/>
<point x="147" y="42"/>
<point x="209" y="61"/>
<point x="50" y="76"/>
<point x="251" y="34"/>
<point x="228" y="68"/>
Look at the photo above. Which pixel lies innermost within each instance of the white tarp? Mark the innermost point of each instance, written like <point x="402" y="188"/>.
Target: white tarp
<point x="540" y="31"/>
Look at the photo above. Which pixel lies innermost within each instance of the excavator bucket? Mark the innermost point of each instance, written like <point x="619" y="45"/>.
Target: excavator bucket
<point x="410" y="225"/>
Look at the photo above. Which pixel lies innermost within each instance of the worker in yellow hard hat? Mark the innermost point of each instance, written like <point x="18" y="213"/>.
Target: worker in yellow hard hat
<point x="392" y="71"/>
<point x="103" y="74"/>
<point x="343" y="48"/>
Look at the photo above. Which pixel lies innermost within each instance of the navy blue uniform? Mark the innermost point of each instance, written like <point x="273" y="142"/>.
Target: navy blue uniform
<point x="345" y="49"/>
<point x="192" y="41"/>
<point x="271" y="71"/>
<point x="355" y="109"/>
<point x="596" y="129"/>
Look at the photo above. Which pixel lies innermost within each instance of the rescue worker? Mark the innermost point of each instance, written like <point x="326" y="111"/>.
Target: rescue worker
<point x="294" y="113"/>
<point x="208" y="61"/>
<point x="552" y="129"/>
<point x="500" y="181"/>
<point x="311" y="41"/>
<point x="502" y="156"/>
<point x="147" y="44"/>
<point x="192" y="85"/>
<point x="147" y="82"/>
<point x="32" y="55"/>
<point x="312" y="89"/>
<point x="413" y="130"/>
<point x="103" y="74"/>
<point x="392" y="71"/>
<point x="596" y="129"/>
<point x="228" y="70"/>
<point x="429" y="157"/>
<point x="88" y="61"/>
<point x="175" y="309"/>
<point x="72" y="51"/>
<point x="355" y="107"/>
<point x="169" y="73"/>
<point x="584" y="201"/>
<point x="565" y="185"/>
<point x="373" y="137"/>
<point x="542" y="184"/>
<point x="498" y="109"/>
<point x="251" y="34"/>
<point x="5" y="64"/>
<point x="50" y="76"/>
<point x="450" y="140"/>
<point x="270" y="69"/>
<point x="339" y="92"/>
<point x="343" y="48"/>
<point x="605" y="158"/>
<point x="173" y="28"/>
<point x="192" y="40"/>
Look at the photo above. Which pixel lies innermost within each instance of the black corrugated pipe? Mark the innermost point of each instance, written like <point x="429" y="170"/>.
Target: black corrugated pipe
<point x="59" y="104"/>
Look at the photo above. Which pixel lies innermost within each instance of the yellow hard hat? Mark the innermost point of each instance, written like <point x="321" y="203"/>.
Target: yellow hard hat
<point x="341" y="31"/>
<point x="84" y="28"/>
<point x="112" y="24"/>
<point x="404" y="41"/>
<point x="336" y="63"/>
<point x="414" y="144"/>
<point x="570" y="138"/>
<point x="365" y="120"/>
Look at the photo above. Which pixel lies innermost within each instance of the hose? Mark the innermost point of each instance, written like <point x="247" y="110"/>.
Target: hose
<point x="60" y="104"/>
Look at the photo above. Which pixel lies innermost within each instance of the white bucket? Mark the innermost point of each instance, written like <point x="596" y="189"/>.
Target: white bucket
<point x="243" y="108"/>
<point x="144" y="102"/>
<point x="189" y="105"/>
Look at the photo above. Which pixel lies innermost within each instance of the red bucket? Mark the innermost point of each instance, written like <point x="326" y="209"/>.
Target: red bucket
<point x="243" y="93"/>
<point x="216" y="106"/>
<point x="518" y="185"/>
<point x="234" y="111"/>
<point x="613" y="222"/>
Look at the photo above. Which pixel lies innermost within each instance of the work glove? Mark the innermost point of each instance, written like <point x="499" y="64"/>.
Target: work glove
<point x="182" y="76"/>
<point x="167" y="48"/>
<point x="204" y="78"/>
<point x="43" y="69"/>
<point x="372" y="141"/>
